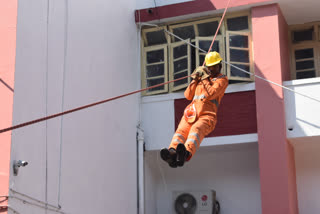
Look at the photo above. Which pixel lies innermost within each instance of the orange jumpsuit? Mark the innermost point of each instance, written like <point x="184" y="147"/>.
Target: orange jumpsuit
<point x="206" y="106"/>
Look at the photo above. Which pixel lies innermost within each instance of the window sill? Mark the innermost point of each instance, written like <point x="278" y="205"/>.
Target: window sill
<point x="233" y="88"/>
<point x="302" y="81"/>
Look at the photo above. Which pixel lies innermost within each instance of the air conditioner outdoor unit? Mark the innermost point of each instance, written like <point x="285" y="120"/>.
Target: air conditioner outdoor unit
<point x="195" y="202"/>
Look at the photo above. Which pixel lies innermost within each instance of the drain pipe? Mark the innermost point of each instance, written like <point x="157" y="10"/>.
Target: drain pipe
<point x="140" y="146"/>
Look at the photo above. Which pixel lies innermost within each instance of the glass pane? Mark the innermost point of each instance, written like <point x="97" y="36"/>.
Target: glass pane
<point x="183" y="81"/>
<point x="201" y="59"/>
<point x="155" y="70"/>
<point x="181" y="64"/>
<point x="208" y="29"/>
<point x="205" y="45"/>
<point x="239" y="55"/>
<point x="238" y="23"/>
<point x="155" y="56"/>
<point x="186" y="32"/>
<point x="156" y="37"/>
<point x="237" y="73"/>
<point x="305" y="65"/>
<point x="304" y="53"/>
<point x="305" y="74"/>
<point x="304" y="35"/>
<point x="238" y="41"/>
<point x="180" y="51"/>
<point x="155" y="82"/>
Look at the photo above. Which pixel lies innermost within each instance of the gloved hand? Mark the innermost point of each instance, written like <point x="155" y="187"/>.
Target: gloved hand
<point x="206" y="73"/>
<point x="200" y="73"/>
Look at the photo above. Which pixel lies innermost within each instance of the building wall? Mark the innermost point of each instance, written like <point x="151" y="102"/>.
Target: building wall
<point x="8" y="18"/>
<point x="308" y="176"/>
<point x="232" y="171"/>
<point x="276" y="155"/>
<point x="302" y="113"/>
<point x="69" y="54"/>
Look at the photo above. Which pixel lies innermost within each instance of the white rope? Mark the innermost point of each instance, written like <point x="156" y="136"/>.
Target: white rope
<point x="284" y="87"/>
<point x="162" y="173"/>
<point x="37" y="205"/>
<point x="240" y="69"/>
<point x="34" y="199"/>
<point x="13" y="210"/>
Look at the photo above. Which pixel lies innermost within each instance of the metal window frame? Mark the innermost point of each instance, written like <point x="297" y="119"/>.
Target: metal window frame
<point x="153" y="29"/>
<point x="315" y="45"/>
<point x="249" y="49"/>
<point x="316" y="51"/>
<point x="195" y="26"/>
<point x="143" y="71"/>
<point x="224" y="47"/>
<point x="173" y="88"/>
<point x="239" y="14"/>
<point x="219" y="38"/>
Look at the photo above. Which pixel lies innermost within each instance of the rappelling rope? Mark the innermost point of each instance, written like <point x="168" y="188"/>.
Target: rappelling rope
<point x="107" y="100"/>
<point x="247" y="72"/>
<point x="84" y="107"/>
<point x="215" y="35"/>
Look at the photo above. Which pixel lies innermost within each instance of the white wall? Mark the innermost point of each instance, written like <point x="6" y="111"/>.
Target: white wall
<point x="307" y="161"/>
<point x="91" y="47"/>
<point x="302" y="113"/>
<point x="303" y="131"/>
<point x="232" y="171"/>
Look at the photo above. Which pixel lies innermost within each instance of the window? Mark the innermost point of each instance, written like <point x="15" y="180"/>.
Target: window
<point x="155" y="69"/>
<point x="305" y="49"/>
<point x="179" y="65"/>
<point x="165" y="57"/>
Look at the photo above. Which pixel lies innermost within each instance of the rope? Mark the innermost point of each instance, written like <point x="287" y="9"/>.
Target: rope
<point x="137" y="91"/>
<point x="84" y="107"/>
<point x="34" y="199"/>
<point x="37" y="205"/>
<point x="215" y="35"/>
<point x="240" y="69"/>
<point x="284" y="87"/>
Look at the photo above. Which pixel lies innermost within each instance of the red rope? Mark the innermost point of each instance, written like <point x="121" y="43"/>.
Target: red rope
<point x="83" y="107"/>
<point x="110" y="99"/>
<point x="215" y="35"/>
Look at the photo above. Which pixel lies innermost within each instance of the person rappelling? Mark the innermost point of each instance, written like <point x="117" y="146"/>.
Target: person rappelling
<point x="200" y="116"/>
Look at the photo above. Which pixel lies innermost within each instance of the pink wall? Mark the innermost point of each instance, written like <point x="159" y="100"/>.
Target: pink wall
<point x="276" y="156"/>
<point x="196" y="6"/>
<point x="8" y="19"/>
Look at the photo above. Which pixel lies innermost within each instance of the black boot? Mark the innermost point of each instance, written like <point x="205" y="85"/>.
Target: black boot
<point x="182" y="154"/>
<point x="169" y="156"/>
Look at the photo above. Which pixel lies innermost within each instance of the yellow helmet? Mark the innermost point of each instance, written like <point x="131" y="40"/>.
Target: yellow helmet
<point x="213" y="58"/>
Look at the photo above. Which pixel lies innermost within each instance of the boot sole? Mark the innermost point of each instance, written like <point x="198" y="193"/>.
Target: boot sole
<point x="165" y="155"/>
<point x="181" y="151"/>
